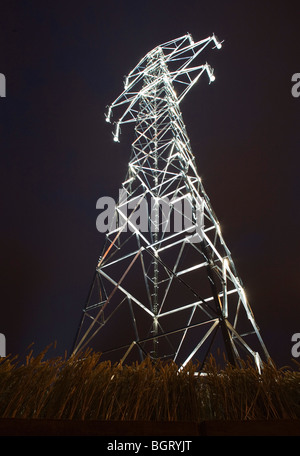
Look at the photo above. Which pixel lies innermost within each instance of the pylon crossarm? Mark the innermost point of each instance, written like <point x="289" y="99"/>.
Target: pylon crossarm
<point x="167" y="55"/>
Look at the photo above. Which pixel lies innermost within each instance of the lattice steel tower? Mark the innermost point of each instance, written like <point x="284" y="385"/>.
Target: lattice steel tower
<point x="165" y="284"/>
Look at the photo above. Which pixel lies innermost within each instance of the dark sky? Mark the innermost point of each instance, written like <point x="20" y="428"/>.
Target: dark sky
<point x="63" y="64"/>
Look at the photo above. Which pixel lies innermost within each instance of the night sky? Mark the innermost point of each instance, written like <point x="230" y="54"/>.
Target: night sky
<point x="64" y="63"/>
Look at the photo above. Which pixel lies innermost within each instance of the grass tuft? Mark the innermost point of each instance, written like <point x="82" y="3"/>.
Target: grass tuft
<point x="85" y="388"/>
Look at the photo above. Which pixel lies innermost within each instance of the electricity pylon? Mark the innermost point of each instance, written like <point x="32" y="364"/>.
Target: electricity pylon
<point x="165" y="285"/>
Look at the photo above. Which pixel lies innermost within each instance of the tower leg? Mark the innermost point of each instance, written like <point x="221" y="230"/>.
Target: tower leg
<point x="222" y="320"/>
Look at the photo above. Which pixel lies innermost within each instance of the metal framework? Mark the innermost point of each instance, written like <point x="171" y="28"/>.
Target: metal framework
<point x="166" y="286"/>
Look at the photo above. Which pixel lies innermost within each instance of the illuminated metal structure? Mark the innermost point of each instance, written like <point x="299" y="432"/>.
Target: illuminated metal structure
<point x="166" y="286"/>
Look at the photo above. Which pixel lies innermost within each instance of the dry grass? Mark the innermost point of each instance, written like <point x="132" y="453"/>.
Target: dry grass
<point x="88" y="388"/>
